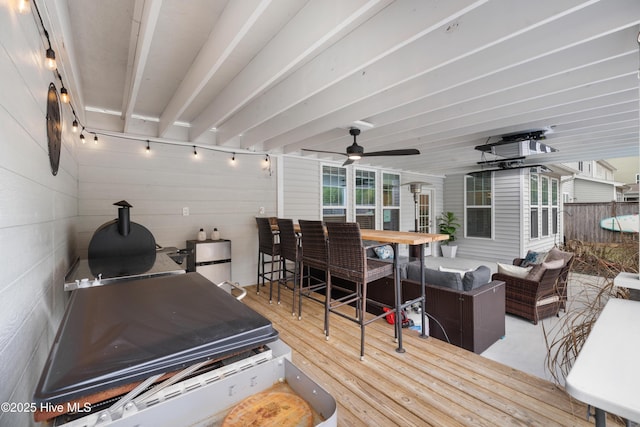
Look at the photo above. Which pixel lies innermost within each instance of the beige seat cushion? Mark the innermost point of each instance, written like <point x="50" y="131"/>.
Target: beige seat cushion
<point x="513" y="270"/>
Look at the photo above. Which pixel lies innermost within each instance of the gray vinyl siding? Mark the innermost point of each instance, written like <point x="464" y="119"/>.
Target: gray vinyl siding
<point x="507" y="214"/>
<point x="302" y="189"/>
<point x="160" y="183"/>
<point x="589" y="191"/>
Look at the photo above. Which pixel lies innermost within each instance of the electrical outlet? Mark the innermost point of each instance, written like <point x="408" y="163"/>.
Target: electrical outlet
<point x="185" y="211"/>
<point x="261" y="210"/>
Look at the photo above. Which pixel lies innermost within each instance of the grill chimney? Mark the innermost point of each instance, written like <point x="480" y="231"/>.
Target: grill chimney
<point x="124" y="220"/>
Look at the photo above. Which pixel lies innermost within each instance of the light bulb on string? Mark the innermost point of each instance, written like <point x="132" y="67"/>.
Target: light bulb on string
<point x="74" y="126"/>
<point x="64" y="95"/>
<point x="51" y="59"/>
<point x="148" y="147"/>
<point x="24" y="6"/>
<point x="195" y="153"/>
<point x="95" y="138"/>
<point x="233" y="158"/>
<point x="82" y="138"/>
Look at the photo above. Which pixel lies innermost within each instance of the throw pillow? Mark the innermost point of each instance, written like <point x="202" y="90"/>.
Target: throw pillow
<point x="513" y="270"/>
<point x="538" y="270"/>
<point x="533" y="258"/>
<point x="453" y="270"/>
<point x="384" y="252"/>
<point x="476" y="278"/>
<point x="556" y="253"/>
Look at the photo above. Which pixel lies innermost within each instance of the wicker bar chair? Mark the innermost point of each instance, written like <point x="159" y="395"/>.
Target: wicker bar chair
<point x="533" y="300"/>
<point x="315" y="256"/>
<point x="348" y="260"/>
<point x="289" y="251"/>
<point x="267" y="246"/>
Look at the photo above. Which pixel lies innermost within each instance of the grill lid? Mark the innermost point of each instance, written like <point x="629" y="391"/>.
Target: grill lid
<point x="113" y="336"/>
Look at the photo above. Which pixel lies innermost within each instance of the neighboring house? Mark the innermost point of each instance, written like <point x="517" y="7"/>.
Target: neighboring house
<point x="589" y="181"/>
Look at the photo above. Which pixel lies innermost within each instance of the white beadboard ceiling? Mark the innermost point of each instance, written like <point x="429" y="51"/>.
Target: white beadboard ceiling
<point x="284" y="75"/>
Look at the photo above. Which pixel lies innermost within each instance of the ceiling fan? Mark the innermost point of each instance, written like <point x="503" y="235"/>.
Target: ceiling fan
<point x="355" y="152"/>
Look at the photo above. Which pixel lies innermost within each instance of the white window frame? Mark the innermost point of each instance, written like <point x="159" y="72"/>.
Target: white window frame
<point x="384" y="207"/>
<point x="376" y="197"/>
<point x="491" y="206"/>
<point x="346" y="195"/>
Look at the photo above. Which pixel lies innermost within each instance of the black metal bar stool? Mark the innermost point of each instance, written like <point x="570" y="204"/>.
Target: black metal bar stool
<point x="268" y="246"/>
<point x="348" y="260"/>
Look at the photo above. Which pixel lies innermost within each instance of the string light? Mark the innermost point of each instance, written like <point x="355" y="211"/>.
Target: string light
<point x="50" y="61"/>
<point x="64" y="95"/>
<point x="24" y="6"/>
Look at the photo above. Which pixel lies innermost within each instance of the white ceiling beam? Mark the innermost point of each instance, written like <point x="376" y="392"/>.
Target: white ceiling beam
<point x="474" y="34"/>
<point x="386" y="32"/>
<point x="440" y="92"/>
<point x="145" y="18"/>
<point x="234" y="25"/>
<point x="291" y="47"/>
<point x="597" y="96"/>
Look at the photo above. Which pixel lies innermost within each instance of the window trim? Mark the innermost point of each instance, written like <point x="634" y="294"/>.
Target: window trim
<point x="491" y="206"/>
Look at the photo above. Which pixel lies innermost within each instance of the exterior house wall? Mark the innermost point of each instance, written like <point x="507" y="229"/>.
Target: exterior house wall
<point x="507" y="216"/>
<point x="160" y="183"/>
<point x="37" y="214"/>
<point x="592" y="191"/>
<point x="301" y="194"/>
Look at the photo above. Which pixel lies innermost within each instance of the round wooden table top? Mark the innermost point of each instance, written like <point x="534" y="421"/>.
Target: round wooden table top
<point x="268" y="409"/>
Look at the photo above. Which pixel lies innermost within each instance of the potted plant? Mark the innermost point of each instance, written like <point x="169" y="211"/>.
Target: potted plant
<point x="448" y="224"/>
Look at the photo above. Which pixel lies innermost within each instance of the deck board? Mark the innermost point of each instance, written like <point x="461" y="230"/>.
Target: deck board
<point x="432" y="384"/>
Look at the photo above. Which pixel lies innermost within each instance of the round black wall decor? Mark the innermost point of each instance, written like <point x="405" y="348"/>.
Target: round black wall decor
<point x="54" y="128"/>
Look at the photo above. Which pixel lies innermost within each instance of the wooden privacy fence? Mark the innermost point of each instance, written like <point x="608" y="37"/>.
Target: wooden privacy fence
<point x="582" y="221"/>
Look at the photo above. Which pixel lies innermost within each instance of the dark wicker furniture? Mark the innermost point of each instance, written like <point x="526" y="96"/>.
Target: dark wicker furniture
<point x="267" y="246"/>
<point x="315" y="257"/>
<point x="533" y="300"/>
<point x="289" y="251"/>
<point x="348" y="260"/>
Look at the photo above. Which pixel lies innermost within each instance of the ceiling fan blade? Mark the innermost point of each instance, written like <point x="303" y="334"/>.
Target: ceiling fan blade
<point x="400" y="152"/>
<point x="322" y="151"/>
<point x="348" y="162"/>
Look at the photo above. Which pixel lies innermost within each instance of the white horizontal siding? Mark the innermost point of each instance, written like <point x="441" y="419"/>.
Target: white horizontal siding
<point x="590" y="191"/>
<point x="160" y="183"/>
<point x="37" y="213"/>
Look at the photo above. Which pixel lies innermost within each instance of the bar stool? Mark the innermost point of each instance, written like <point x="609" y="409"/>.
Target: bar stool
<point x="289" y="251"/>
<point x="315" y="255"/>
<point x="348" y="260"/>
<point x="267" y="245"/>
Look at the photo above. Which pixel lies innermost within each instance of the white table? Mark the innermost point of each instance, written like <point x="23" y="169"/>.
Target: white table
<point x="606" y="373"/>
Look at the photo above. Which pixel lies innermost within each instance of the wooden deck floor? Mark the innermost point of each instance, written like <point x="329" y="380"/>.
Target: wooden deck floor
<point x="432" y="384"/>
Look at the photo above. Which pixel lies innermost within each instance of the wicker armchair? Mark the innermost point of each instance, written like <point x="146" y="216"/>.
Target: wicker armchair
<point x="348" y="260"/>
<point x="533" y="300"/>
<point x="561" y="283"/>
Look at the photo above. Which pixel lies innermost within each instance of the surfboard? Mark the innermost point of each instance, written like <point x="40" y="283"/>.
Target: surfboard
<point x="624" y="223"/>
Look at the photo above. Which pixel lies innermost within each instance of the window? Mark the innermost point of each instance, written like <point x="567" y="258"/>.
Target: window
<point x="544" y="196"/>
<point x="544" y="203"/>
<point x="390" y="201"/>
<point x="365" y="198"/>
<point x="554" y="206"/>
<point x="478" y="205"/>
<point x="334" y="189"/>
<point x="534" y="201"/>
